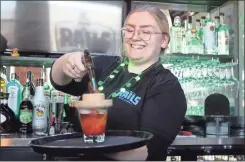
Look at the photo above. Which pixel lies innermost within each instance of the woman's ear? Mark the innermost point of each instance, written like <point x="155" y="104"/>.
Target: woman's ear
<point x="165" y="41"/>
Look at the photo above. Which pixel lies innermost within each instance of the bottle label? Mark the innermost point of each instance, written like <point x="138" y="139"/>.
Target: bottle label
<point x="223" y="43"/>
<point x="40" y="117"/>
<point x="73" y="98"/>
<point x="13" y="99"/>
<point x="2" y="118"/>
<point x="47" y="95"/>
<point x="209" y="38"/>
<point x="39" y="110"/>
<point x="57" y="96"/>
<point x="25" y="116"/>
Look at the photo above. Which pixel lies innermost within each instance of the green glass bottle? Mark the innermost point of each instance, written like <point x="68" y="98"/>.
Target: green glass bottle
<point x="26" y="108"/>
<point x="195" y="45"/>
<point x="14" y="90"/>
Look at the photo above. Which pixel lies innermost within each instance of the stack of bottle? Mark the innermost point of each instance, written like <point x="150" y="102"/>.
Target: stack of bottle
<point x="205" y="36"/>
<point x="25" y="109"/>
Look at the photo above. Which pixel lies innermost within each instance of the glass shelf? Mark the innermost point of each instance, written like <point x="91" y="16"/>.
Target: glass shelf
<point x="181" y="56"/>
<point x="26" y="61"/>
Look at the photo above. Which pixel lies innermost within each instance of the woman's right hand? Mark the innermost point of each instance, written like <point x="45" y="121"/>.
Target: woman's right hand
<point x="73" y="66"/>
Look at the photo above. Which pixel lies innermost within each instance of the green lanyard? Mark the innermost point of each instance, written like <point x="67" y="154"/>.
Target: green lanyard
<point x="130" y="83"/>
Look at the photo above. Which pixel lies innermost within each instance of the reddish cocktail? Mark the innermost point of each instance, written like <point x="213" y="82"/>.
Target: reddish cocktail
<point x="93" y="116"/>
<point x="93" y="122"/>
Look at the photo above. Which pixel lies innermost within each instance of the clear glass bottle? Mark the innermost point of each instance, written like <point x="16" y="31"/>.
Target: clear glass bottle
<point x="223" y="37"/>
<point x="217" y="23"/>
<point x="201" y="31"/>
<point x="188" y="34"/>
<point x="40" y="110"/>
<point x="176" y="36"/>
<point x="184" y="39"/>
<point x="209" y="35"/>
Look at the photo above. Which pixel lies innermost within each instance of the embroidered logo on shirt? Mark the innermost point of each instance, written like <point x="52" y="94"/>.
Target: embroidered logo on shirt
<point x="129" y="97"/>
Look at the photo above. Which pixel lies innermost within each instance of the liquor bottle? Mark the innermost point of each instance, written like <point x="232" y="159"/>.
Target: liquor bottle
<point x="47" y="85"/>
<point x="14" y="90"/>
<point x="195" y="45"/>
<point x="29" y="78"/>
<point x="26" y="107"/>
<point x="217" y="23"/>
<point x="5" y="75"/>
<point x="66" y="109"/>
<point x="188" y="34"/>
<point x="201" y="31"/>
<point x="52" y="126"/>
<point x="223" y="37"/>
<point x="57" y="96"/>
<point x="176" y="36"/>
<point x="197" y="26"/>
<point x="3" y="82"/>
<point x="184" y="38"/>
<point x="40" y="110"/>
<point x="209" y="35"/>
<point x="21" y="87"/>
<point x="8" y="121"/>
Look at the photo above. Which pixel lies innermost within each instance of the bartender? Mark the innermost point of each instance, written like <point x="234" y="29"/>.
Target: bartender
<point x="146" y="96"/>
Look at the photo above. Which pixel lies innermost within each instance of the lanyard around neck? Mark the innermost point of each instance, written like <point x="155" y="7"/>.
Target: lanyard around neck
<point x="130" y="83"/>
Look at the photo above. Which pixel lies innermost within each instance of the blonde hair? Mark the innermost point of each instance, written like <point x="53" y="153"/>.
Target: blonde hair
<point x="158" y="15"/>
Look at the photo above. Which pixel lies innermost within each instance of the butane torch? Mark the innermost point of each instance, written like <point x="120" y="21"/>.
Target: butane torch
<point x="88" y="63"/>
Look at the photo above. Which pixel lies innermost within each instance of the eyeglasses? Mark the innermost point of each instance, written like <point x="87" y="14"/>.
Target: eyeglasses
<point x="144" y="34"/>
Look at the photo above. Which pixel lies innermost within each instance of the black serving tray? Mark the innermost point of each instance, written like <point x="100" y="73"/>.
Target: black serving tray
<point x="72" y="144"/>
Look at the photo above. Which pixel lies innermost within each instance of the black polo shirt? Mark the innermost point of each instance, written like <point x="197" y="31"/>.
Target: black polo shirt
<point x="156" y="104"/>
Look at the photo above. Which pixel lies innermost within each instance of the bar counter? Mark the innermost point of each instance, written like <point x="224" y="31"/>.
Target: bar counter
<point x="186" y="147"/>
<point x="18" y="140"/>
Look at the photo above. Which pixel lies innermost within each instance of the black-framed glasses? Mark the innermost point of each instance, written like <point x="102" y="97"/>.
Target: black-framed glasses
<point x="144" y="34"/>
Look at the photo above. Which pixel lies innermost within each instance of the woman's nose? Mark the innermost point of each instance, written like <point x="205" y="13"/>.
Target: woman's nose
<point x="136" y="35"/>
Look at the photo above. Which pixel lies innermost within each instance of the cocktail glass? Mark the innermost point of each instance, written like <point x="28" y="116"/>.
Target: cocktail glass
<point x="93" y="124"/>
<point x="93" y="116"/>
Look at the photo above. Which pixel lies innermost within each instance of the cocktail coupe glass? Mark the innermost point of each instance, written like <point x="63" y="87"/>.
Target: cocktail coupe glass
<point x="93" y="116"/>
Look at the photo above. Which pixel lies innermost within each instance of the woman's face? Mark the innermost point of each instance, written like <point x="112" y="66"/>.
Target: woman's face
<point x="144" y="46"/>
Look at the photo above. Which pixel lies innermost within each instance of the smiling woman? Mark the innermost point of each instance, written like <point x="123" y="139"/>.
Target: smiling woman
<point x="145" y="95"/>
